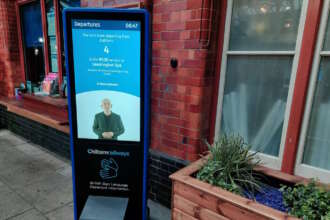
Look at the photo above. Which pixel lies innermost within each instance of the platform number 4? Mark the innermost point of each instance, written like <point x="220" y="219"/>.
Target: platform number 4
<point x="106" y="50"/>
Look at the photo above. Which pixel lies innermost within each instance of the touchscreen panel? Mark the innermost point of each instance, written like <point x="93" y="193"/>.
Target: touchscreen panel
<point x="106" y="58"/>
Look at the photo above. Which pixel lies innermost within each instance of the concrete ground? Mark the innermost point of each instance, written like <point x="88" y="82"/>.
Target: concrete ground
<point x="35" y="184"/>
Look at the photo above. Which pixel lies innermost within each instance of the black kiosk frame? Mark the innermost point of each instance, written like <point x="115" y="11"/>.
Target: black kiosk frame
<point x="109" y="174"/>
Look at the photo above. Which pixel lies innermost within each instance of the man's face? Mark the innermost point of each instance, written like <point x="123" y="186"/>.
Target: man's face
<point x="106" y="106"/>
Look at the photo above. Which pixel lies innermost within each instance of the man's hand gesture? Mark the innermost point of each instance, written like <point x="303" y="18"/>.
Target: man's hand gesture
<point x="107" y="135"/>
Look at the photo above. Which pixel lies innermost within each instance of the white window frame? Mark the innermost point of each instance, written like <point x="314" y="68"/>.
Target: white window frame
<point x="268" y="160"/>
<point x="303" y="169"/>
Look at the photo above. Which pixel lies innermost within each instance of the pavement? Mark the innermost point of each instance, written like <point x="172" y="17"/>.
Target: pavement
<point x="36" y="184"/>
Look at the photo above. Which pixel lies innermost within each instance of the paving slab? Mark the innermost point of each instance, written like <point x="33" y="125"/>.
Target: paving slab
<point x="63" y="213"/>
<point x="24" y="172"/>
<point x="65" y="171"/>
<point x="10" y="139"/>
<point x="11" y="205"/>
<point x="32" y="214"/>
<point x="158" y="211"/>
<point x="48" y="194"/>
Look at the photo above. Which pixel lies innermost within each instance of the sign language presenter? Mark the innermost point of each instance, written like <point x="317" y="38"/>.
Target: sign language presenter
<point x="107" y="124"/>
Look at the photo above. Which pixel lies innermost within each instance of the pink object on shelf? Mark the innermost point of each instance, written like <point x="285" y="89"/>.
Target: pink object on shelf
<point x="46" y="84"/>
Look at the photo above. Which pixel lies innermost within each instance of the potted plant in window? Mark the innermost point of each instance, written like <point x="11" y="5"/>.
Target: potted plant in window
<point x="229" y="183"/>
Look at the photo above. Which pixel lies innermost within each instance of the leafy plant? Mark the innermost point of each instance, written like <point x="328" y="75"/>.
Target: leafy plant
<point x="307" y="201"/>
<point x="231" y="165"/>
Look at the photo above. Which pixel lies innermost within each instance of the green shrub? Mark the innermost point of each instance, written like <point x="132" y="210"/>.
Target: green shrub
<point x="230" y="166"/>
<point x="307" y="201"/>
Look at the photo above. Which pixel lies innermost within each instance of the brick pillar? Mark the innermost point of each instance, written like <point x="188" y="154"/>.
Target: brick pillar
<point x="10" y="68"/>
<point x="182" y="96"/>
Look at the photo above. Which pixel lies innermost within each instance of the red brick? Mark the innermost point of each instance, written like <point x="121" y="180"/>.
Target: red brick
<point x="181" y="89"/>
<point x="159" y="27"/>
<point x="192" y="99"/>
<point x="154" y="142"/>
<point x="184" y="35"/>
<point x="175" y="137"/>
<point x="156" y="94"/>
<point x="164" y="53"/>
<point x="193" y="4"/>
<point x="188" y="116"/>
<point x="158" y="8"/>
<point x="193" y="25"/>
<point x="175" y="16"/>
<point x="176" y="122"/>
<point x="192" y="157"/>
<point x="185" y="54"/>
<point x="157" y="2"/>
<point x="186" y="15"/>
<point x="195" y="63"/>
<point x="156" y="52"/>
<point x="169" y="112"/>
<point x="158" y="45"/>
<point x="192" y="44"/>
<point x="195" y="108"/>
<point x="165" y="17"/>
<point x="159" y="61"/>
<point x="200" y="54"/>
<point x="176" y="26"/>
<point x="190" y="133"/>
<point x="196" y="14"/>
<point x="171" y="105"/>
<point x="194" y="142"/>
<point x="178" y="153"/>
<point x="156" y="36"/>
<point x="176" y="6"/>
<point x="191" y="149"/>
<point x="170" y="35"/>
<point x="156" y="18"/>
<point x="176" y="44"/>
<point x="169" y="143"/>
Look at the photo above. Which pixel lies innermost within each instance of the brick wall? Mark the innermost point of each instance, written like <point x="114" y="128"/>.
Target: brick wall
<point x="182" y="96"/>
<point x="105" y="3"/>
<point x="10" y="68"/>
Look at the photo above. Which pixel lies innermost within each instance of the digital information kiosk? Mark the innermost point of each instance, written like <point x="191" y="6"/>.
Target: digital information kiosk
<point x="107" y="65"/>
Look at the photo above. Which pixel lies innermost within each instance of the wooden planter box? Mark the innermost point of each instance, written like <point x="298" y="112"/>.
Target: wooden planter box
<point x="193" y="199"/>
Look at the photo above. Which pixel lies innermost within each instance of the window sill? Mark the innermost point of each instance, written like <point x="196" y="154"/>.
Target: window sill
<point x="45" y="110"/>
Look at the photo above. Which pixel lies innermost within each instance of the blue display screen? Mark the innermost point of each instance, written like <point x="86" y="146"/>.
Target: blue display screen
<point x="106" y="55"/>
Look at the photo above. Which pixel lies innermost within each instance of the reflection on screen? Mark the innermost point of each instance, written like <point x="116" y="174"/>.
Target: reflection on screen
<point x="106" y="56"/>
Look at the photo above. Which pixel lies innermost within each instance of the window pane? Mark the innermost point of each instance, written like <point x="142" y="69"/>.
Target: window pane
<point x="262" y="25"/>
<point x="65" y="4"/>
<point x="254" y="99"/>
<point x="51" y="34"/>
<point x="326" y="44"/>
<point x="32" y="43"/>
<point x="317" y="146"/>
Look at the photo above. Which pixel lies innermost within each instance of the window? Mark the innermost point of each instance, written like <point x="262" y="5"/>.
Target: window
<point x="32" y="40"/>
<point x="42" y="45"/>
<point x="259" y="64"/>
<point x="314" y="148"/>
<point x="51" y="36"/>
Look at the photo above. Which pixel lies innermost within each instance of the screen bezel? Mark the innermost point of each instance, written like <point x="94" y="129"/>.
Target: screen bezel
<point x="115" y="15"/>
